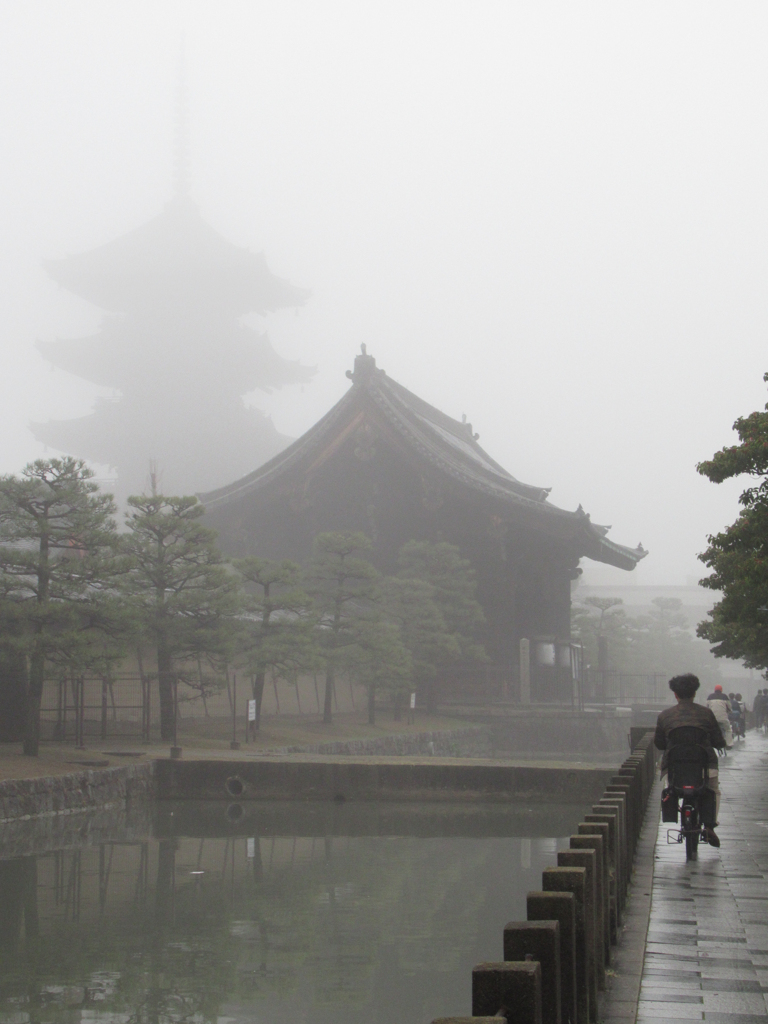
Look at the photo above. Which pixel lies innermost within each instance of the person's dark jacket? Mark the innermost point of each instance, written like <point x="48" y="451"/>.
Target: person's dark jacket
<point x="685" y="712"/>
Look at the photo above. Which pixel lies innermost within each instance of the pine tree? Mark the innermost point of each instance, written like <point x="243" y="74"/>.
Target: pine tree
<point x="180" y="587"/>
<point x="58" y="568"/>
<point x="454" y="590"/>
<point x="276" y="632"/>
<point x="344" y="587"/>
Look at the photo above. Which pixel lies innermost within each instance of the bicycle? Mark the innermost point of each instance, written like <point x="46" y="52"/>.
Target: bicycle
<point x="687" y="800"/>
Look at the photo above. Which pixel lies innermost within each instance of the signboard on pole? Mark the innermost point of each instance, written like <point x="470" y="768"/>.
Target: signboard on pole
<point x="251" y="710"/>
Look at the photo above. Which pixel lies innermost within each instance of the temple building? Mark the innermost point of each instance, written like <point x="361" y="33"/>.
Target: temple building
<point x="386" y="462"/>
<point x="173" y="344"/>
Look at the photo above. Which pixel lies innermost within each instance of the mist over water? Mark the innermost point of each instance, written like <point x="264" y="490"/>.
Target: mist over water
<point x="550" y="218"/>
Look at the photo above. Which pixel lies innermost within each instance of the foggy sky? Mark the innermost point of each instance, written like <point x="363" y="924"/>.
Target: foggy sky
<point x="548" y="216"/>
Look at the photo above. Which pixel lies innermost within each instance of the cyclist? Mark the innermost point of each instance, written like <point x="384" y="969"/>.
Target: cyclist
<point x="685" y="712"/>
<point x="719" y="704"/>
<point x="741" y="716"/>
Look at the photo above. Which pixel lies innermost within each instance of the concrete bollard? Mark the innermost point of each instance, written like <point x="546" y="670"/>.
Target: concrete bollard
<point x="560" y="907"/>
<point x="574" y="880"/>
<point x="540" y="940"/>
<point x="470" y="1020"/>
<point x="594" y="841"/>
<point x="511" y="990"/>
<point x="617" y="802"/>
<point x="634" y="773"/>
<point x="601" y="828"/>
<point x="610" y="816"/>
<point x="586" y="859"/>
<point x="620" y="784"/>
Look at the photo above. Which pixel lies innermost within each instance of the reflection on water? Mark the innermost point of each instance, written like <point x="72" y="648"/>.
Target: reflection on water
<point x="305" y="921"/>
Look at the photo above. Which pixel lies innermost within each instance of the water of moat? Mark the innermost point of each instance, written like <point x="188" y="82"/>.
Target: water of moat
<point x="264" y="912"/>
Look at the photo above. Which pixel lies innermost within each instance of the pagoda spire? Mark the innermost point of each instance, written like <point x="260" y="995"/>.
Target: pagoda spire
<point x="181" y="129"/>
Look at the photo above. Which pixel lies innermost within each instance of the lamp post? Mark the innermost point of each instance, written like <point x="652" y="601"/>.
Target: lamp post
<point x="234" y="745"/>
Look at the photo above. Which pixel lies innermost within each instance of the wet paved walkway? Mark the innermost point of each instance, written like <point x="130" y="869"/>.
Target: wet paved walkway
<point x="707" y="947"/>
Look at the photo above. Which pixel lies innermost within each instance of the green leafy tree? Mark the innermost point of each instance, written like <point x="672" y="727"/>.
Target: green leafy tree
<point x="277" y="632"/>
<point x="346" y="595"/>
<point x="454" y="594"/>
<point x="378" y="660"/>
<point x="738" y="556"/>
<point x="182" y="590"/>
<point x="411" y="605"/>
<point x="58" y="568"/>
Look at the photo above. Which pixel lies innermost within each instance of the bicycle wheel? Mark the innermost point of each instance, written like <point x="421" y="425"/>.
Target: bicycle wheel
<point x="691" y="845"/>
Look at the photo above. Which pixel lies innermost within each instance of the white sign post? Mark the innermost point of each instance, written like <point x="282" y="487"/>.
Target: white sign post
<point x="250" y="725"/>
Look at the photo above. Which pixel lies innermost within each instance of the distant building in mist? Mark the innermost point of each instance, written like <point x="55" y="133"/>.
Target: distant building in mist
<point x="385" y="462"/>
<point x="172" y="343"/>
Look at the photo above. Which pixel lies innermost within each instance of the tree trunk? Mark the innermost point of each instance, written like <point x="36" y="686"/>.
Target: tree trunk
<point x="258" y="696"/>
<point x="34" y="698"/>
<point x="371" y="705"/>
<point x="398" y="715"/>
<point x="14" y="685"/>
<point x="329" y="682"/>
<point x="165" y="686"/>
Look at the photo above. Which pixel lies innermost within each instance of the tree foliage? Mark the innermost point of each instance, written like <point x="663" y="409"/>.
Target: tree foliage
<point x="58" y="569"/>
<point x="276" y="631"/>
<point x="657" y="642"/>
<point x="180" y="588"/>
<point x="738" y="556"/>
<point x="346" y="594"/>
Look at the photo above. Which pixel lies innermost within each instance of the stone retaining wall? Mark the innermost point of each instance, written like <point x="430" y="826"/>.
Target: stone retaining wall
<point x="22" y="799"/>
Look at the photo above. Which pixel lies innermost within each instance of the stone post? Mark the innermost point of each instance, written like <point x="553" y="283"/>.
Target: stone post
<point x="560" y="907"/>
<point x="596" y="975"/>
<point x="541" y="941"/>
<point x="610" y="816"/>
<point x="574" y="880"/>
<point x="601" y="828"/>
<point x="593" y="840"/>
<point x="617" y="802"/>
<point x="470" y="1020"/>
<point x="511" y="990"/>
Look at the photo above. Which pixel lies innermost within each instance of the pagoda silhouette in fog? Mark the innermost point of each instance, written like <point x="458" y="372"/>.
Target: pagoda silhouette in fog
<point x="173" y="344"/>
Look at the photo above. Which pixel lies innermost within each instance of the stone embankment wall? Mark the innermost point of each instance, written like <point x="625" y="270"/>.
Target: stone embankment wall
<point x="377" y="779"/>
<point x="51" y="796"/>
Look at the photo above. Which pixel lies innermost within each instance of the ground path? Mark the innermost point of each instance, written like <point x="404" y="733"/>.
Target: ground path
<point x="706" y="955"/>
<point x="211" y="738"/>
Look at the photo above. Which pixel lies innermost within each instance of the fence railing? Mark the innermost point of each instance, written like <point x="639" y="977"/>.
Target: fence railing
<point x="611" y="687"/>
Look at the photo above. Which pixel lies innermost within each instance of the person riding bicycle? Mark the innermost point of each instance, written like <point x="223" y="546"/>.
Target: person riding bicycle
<point x="686" y="713"/>
<point x="740" y="726"/>
<point x="719" y="704"/>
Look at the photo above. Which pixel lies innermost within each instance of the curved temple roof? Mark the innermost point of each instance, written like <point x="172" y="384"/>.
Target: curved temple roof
<point x="448" y="445"/>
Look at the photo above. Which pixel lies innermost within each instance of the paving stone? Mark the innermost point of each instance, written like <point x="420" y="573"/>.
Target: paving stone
<point x="707" y="945"/>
